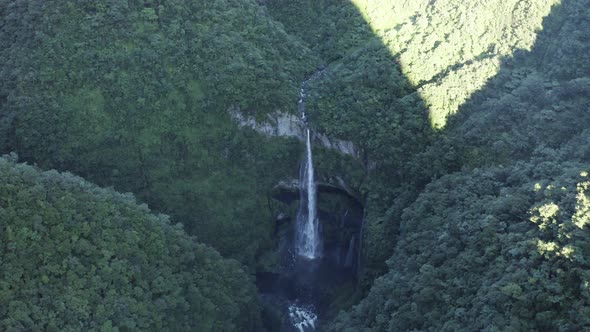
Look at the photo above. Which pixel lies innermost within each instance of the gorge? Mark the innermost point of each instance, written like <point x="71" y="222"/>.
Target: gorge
<point x="307" y="269"/>
<point x="295" y="165"/>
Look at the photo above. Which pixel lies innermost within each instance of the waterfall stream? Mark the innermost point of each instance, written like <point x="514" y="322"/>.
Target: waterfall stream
<point x="349" y="255"/>
<point x="308" y="242"/>
<point x="313" y="264"/>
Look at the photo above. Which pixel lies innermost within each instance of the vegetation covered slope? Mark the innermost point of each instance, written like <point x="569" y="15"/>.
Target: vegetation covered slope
<point x="450" y="49"/>
<point x="135" y="94"/>
<point x="397" y="70"/>
<point x="78" y="257"/>
<point x="502" y="242"/>
<point x="503" y="248"/>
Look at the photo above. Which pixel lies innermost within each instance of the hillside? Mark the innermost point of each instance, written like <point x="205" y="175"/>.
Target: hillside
<point x="135" y="95"/>
<point x="501" y="242"/>
<point x="399" y="71"/>
<point x="76" y="256"/>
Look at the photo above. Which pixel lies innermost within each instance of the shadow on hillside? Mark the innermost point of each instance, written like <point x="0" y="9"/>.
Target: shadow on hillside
<point x="360" y="97"/>
<point x="519" y="109"/>
<point x="364" y="97"/>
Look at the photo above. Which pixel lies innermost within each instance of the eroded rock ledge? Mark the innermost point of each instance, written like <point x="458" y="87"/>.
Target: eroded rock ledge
<point x="288" y="125"/>
<point x="288" y="190"/>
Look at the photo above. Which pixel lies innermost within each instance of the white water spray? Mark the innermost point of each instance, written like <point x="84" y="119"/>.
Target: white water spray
<point x="308" y="237"/>
<point x="307" y="233"/>
<point x="308" y="242"/>
<point x="302" y="318"/>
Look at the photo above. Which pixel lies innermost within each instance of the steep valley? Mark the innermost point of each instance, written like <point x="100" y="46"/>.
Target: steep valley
<point x="295" y="165"/>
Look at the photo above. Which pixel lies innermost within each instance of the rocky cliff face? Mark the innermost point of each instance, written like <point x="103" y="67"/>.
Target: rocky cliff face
<point x="288" y="125"/>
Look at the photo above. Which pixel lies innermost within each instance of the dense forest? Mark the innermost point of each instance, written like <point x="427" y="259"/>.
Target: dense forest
<point x="76" y="256"/>
<point x="470" y="119"/>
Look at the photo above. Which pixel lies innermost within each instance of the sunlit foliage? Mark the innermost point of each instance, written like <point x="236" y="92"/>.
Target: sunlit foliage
<point x="501" y="243"/>
<point x="450" y="49"/>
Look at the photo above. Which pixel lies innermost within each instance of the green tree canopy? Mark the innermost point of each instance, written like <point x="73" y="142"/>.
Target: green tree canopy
<point x="78" y="257"/>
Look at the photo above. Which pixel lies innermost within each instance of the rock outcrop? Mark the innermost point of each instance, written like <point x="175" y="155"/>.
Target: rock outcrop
<point x="288" y="190"/>
<point x="288" y="125"/>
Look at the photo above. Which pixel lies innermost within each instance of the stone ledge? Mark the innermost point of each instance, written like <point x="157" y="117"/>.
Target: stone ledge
<point x="288" y="125"/>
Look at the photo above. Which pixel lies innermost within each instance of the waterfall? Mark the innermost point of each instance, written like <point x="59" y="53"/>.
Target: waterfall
<point x="302" y="318"/>
<point x="343" y="218"/>
<point x="349" y="255"/>
<point x="308" y="242"/>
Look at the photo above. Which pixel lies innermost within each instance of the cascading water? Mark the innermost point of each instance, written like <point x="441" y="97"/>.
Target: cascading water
<point x="311" y="269"/>
<point x="302" y="318"/>
<point x="307" y="237"/>
<point x="349" y="255"/>
<point x="307" y="244"/>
